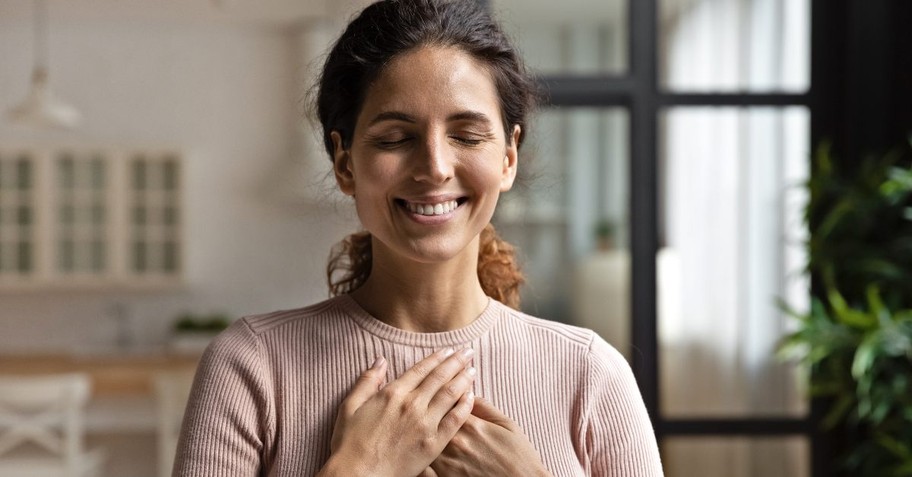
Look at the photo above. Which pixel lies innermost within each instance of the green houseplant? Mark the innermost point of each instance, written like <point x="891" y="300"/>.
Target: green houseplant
<point x="856" y="340"/>
<point x="191" y="333"/>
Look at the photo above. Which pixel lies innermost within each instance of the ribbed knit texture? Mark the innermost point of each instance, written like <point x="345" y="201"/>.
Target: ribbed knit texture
<point x="267" y="390"/>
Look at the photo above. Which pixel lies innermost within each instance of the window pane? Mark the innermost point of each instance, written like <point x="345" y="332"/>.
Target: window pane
<point x="568" y="218"/>
<point x="139" y="215"/>
<point x="24" y="173"/>
<point x="731" y="236"/>
<point x="25" y="257"/>
<point x="81" y="212"/>
<point x="170" y="173"/>
<point x="139" y="256"/>
<point x="736" y="457"/>
<point x="154" y="221"/>
<point x="98" y="255"/>
<point x="67" y="171"/>
<point x="98" y="173"/>
<point x="139" y="173"/>
<point x="170" y="257"/>
<point x="25" y="216"/>
<point x="572" y="36"/>
<point x="67" y="255"/>
<point x="735" y="45"/>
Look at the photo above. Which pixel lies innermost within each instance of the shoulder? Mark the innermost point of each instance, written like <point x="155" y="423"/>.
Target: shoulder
<point x="264" y="323"/>
<point x="579" y="339"/>
<point x="563" y="333"/>
<point x="250" y="338"/>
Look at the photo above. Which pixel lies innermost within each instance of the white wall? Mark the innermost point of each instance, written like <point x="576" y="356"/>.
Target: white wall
<point x="226" y="94"/>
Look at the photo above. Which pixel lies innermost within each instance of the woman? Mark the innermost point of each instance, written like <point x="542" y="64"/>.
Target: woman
<point x="423" y="105"/>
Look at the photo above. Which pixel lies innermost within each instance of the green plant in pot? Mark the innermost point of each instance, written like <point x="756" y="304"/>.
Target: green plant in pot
<point x="192" y="333"/>
<point x="856" y="340"/>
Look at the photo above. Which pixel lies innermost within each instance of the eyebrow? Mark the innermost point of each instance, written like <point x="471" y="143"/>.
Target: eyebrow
<point x="392" y="116"/>
<point x="460" y="116"/>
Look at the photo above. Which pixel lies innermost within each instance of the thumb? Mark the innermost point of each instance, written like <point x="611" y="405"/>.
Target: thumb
<point x="368" y="383"/>
<point x="483" y="409"/>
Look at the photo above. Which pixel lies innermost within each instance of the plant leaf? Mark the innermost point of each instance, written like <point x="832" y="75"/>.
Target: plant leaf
<point x="838" y="412"/>
<point x="865" y="355"/>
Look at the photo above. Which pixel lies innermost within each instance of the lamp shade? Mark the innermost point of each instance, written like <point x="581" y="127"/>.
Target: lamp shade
<point x="42" y="109"/>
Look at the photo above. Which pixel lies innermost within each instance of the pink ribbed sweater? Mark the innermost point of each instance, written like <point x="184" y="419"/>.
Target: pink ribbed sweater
<point x="267" y="389"/>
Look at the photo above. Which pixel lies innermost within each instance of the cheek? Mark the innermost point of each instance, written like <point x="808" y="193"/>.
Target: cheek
<point x="485" y="175"/>
<point x="374" y="174"/>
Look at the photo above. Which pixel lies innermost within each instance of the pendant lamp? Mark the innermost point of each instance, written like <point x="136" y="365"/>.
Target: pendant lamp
<point x="41" y="108"/>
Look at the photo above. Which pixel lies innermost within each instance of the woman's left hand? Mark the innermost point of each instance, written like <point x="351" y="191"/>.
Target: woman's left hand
<point x="489" y="443"/>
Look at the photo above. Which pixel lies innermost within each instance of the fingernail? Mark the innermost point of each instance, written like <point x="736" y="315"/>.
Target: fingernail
<point x="377" y="362"/>
<point x="468" y="352"/>
<point x="449" y="352"/>
<point x="470" y="395"/>
<point x="472" y="371"/>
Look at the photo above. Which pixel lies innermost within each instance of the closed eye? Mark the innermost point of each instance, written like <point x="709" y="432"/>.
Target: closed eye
<point x="466" y="141"/>
<point x="391" y="143"/>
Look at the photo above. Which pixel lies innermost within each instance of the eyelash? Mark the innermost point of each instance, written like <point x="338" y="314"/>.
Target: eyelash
<point x="399" y="142"/>
<point x="466" y="141"/>
<point x="391" y="144"/>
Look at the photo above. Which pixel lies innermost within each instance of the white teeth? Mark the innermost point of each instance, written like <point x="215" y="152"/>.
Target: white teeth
<point x="432" y="209"/>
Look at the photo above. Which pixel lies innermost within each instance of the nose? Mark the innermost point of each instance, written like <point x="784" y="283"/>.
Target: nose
<point x="433" y="163"/>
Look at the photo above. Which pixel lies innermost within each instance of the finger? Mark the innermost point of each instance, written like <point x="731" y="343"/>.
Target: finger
<point x="412" y="378"/>
<point x="444" y="373"/>
<point x="456" y="417"/>
<point x="484" y="409"/>
<point x="450" y="393"/>
<point x="428" y="472"/>
<point x="368" y="383"/>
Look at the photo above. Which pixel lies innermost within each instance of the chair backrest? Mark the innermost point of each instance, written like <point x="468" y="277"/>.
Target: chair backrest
<point x="172" y="389"/>
<point x="46" y="412"/>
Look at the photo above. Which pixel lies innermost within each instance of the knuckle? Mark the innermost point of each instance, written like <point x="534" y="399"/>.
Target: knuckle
<point x="408" y="406"/>
<point x="460" y="443"/>
<point x="422" y="368"/>
<point x="390" y="394"/>
<point x="428" y="443"/>
<point x="453" y="390"/>
<point x="367" y="378"/>
<point x="452" y="420"/>
<point x="439" y="377"/>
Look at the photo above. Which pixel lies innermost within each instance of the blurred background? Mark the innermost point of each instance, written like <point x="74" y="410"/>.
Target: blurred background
<point x="158" y="179"/>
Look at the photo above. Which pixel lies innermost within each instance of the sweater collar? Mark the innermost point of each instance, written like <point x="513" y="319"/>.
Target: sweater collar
<point x="485" y="321"/>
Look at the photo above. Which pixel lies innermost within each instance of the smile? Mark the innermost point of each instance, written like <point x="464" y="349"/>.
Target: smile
<point x="440" y="208"/>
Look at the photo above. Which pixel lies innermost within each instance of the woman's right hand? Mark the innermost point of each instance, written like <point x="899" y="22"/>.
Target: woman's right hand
<point x="400" y="428"/>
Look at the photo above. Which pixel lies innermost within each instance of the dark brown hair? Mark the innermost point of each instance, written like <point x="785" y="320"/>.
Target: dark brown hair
<point x="379" y="33"/>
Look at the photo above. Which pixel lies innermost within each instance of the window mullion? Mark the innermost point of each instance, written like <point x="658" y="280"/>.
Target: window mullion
<point x="46" y="230"/>
<point x="643" y="198"/>
<point x="118" y="230"/>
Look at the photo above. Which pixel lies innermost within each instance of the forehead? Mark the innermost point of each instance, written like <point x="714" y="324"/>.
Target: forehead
<point x="431" y="81"/>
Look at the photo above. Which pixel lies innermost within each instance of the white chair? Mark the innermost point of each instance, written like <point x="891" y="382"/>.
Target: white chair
<point x="172" y="389"/>
<point x="41" y="427"/>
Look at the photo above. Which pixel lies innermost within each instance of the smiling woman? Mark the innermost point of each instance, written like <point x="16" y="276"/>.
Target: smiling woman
<point x="423" y="105"/>
<point x="427" y="162"/>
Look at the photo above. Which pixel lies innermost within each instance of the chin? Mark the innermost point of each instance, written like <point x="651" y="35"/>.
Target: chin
<point x="437" y="251"/>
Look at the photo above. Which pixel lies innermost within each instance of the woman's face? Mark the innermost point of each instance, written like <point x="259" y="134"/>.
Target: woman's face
<point x="429" y="156"/>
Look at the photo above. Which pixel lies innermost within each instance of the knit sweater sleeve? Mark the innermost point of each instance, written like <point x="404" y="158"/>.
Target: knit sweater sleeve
<point x="619" y="438"/>
<point x="230" y="413"/>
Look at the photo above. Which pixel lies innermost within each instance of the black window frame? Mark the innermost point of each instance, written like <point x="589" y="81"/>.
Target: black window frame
<point x="639" y="91"/>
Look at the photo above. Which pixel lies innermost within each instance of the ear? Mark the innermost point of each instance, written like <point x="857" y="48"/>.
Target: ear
<point x="511" y="158"/>
<point x="342" y="165"/>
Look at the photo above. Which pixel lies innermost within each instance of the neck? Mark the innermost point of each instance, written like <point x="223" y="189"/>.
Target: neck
<point x="423" y="297"/>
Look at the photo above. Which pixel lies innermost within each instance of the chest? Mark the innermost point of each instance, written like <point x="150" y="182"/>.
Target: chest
<point x="542" y="400"/>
